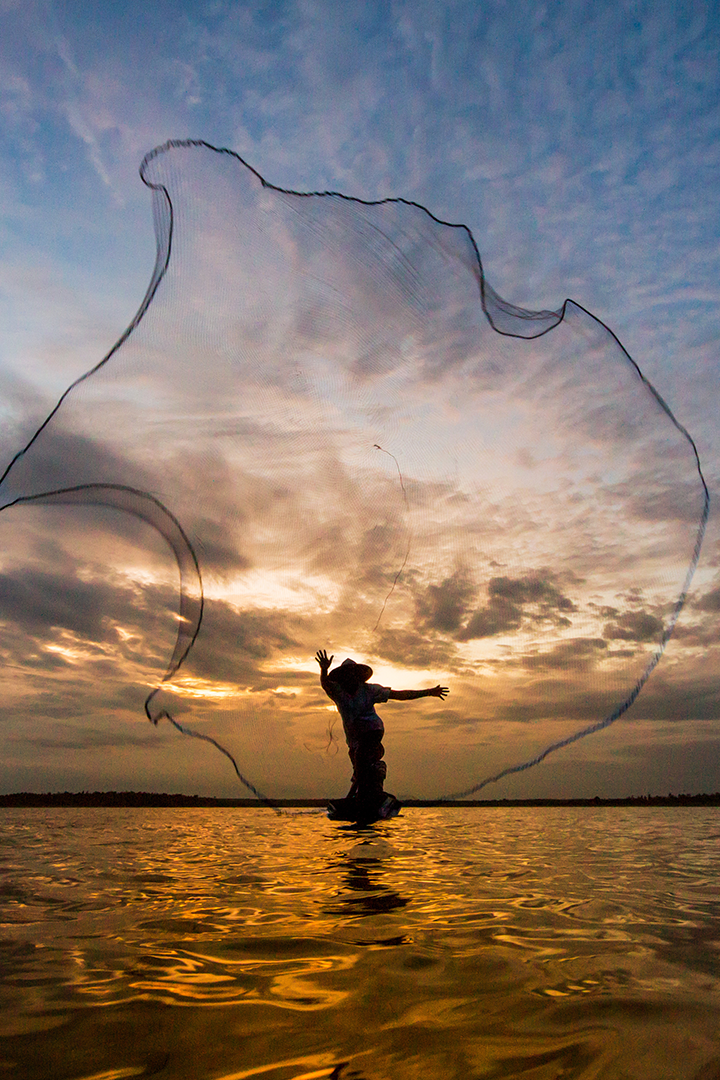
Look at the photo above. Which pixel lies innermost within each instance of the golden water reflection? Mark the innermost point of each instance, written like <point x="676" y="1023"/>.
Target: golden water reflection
<point x="448" y="943"/>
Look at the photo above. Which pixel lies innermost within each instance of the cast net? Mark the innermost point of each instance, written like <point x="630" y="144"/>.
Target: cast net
<point x="347" y="440"/>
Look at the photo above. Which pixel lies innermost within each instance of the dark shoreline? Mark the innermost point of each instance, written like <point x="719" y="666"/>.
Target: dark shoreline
<point x="145" y="798"/>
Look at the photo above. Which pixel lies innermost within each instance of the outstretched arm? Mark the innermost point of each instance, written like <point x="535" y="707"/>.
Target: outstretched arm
<point x="410" y="695"/>
<point x="324" y="661"/>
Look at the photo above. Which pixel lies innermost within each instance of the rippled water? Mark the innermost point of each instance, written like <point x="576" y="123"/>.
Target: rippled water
<point x="449" y="943"/>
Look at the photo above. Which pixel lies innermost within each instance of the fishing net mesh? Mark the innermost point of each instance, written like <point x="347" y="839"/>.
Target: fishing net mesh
<point x="347" y="440"/>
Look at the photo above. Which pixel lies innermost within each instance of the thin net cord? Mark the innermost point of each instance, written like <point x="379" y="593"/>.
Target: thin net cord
<point x="184" y="730"/>
<point x="376" y="446"/>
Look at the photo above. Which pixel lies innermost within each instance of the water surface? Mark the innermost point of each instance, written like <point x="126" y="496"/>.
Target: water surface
<point x="449" y="943"/>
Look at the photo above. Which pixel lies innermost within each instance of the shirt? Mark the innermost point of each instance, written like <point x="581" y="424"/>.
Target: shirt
<point x="358" y="710"/>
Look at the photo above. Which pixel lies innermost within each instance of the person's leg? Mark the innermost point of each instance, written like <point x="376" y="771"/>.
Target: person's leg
<point x="352" y="754"/>
<point x="370" y="772"/>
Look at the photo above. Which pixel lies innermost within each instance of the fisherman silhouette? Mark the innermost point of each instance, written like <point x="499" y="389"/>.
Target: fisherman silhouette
<point x="355" y="698"/>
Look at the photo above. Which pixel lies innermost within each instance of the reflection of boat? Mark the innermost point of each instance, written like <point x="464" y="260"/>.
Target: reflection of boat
<point x="352" y="810"/>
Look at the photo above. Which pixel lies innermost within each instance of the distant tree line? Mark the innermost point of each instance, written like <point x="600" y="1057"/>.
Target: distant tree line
<point x="149" y="798"/>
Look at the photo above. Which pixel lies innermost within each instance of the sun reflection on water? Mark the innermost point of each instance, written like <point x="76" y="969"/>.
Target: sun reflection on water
<point x="452" y="943"/>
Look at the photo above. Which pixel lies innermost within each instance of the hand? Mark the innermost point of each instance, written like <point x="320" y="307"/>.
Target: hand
<point x="439" y="691"/>
<point x="322" y="658"/>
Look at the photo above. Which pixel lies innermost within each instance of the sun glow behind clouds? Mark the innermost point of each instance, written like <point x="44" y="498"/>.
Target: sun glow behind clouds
<point x="202" y="689"/>
<point x="281" y="589"/>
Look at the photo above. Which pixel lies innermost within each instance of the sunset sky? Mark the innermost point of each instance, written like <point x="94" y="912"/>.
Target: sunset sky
<point x="548" y="508"/>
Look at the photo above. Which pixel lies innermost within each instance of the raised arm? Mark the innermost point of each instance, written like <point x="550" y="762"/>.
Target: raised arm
<point x="324" y="661"/>
<point x="410" y="695"/>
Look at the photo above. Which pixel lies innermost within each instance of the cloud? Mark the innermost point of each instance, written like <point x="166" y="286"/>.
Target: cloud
<point x="409" y="648"/>
<point x="237" y="643"/>
<point x="707" y="631"/>
<point x="444" y="607"/>
<point x="576" y="655"/>
<point x="709" y="601"/>
<point x="512" y="602"/>
<point x="62" y="457"/>
<point x="634" y="626"/>
<point x="499" y="617"/>
<point x="97" y="740"/>
<point x="663" y="498"/>
<point x="38" y="600"/>
<point x="696" y="697"/>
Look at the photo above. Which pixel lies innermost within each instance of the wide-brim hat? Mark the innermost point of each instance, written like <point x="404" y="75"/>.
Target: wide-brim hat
<point x="361" y="672"/>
